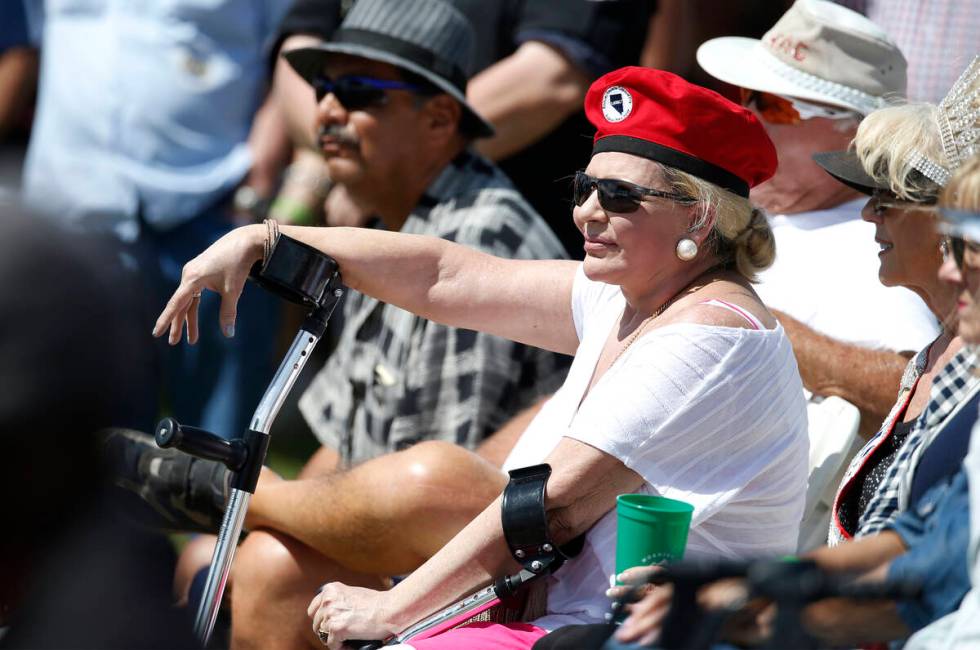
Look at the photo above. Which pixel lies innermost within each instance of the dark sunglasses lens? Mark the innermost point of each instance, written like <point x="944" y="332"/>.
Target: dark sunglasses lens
<point x="321" y="87"/>
<point x="614" y="196"/>
<point x="352" y="95"/>
<point x="582" y="187"/>
<point x="957" y="245"/>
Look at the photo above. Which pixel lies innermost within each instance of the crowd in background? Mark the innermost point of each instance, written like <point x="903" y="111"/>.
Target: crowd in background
<point x="133" y="136"/>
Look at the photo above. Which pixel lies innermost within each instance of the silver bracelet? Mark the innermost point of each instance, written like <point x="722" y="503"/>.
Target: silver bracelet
<point x="271" y="237"/>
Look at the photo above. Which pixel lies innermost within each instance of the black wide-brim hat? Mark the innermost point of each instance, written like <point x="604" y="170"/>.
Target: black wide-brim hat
<point x="430" y="38"/>
<point x="846" y="167"/>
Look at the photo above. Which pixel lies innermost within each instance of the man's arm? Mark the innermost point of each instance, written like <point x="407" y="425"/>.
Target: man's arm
<point x="867" y="378"/>
<point x="293" y="95"/>
<point x="843" y="621"/>
<point x="269" y="143"/>
<point x="18" y="85"/>
<point x="525" y="96"/>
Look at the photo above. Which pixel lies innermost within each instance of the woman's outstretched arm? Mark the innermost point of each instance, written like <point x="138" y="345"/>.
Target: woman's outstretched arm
<point x="523" y="300"/>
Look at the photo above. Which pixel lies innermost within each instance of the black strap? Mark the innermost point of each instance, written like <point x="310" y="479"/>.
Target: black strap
<point x="525" y="521"/>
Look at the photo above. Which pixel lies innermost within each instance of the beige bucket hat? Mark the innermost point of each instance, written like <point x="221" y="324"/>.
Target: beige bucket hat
<point x="818" y="51"/>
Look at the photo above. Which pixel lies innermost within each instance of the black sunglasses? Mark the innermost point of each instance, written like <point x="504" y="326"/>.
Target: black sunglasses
<point x="616" y="195"/>
<point x="355" y="93"/>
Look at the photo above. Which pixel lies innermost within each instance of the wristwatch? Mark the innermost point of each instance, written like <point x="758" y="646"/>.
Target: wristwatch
<point x="247" y="201"/>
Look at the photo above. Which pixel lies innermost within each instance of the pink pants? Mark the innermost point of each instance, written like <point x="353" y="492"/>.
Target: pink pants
<point x="483" y="636"/>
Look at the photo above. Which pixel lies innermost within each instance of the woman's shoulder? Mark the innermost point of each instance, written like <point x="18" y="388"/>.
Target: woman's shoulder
<point x="723" y="305"/>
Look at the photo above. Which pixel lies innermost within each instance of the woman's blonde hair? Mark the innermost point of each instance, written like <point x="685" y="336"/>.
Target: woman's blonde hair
<point x="740" y="237"/>
<point x="887" y="142"/>
<point x="963" y="190"/>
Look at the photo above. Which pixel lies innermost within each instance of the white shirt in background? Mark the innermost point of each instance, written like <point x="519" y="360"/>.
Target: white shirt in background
<point x="826" y="276"/>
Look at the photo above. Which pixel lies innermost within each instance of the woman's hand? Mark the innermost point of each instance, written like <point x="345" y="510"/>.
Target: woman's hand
<point x="749" y="622"/>
<point x="222" y="268"/>
<point x="340" y="613"/>
<point x="646" y="617"/>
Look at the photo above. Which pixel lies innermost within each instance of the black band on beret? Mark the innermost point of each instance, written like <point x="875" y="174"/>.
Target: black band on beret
<point x="409" y="51"/>
<point x="673" y="158"/>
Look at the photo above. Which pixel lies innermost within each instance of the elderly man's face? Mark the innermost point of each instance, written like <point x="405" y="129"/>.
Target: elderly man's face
<point x="799" y="184"/>
<point x="370" y="144"/>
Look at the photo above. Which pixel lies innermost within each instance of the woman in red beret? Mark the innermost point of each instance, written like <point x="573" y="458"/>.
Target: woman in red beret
<point x="683" y="384"/>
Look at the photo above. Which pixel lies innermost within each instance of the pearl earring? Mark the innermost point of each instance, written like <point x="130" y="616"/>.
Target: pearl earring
<point x="687" y="249"/>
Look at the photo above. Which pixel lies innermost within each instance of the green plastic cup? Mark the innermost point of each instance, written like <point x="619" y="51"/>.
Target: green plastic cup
<point x="650" y="530"/>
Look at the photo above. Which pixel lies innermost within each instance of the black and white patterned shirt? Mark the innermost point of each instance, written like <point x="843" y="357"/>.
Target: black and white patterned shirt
<point x="396" y="378"/>
<point x="954" y="385"/>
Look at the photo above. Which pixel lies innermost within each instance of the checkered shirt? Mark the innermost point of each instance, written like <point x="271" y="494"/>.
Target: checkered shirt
<point x="953" y="385"/>
<point x="395" y="378"/>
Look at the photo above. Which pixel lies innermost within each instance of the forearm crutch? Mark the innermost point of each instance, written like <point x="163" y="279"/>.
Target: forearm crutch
<point x="525" y="524"/>
<point x="303" y="275"/>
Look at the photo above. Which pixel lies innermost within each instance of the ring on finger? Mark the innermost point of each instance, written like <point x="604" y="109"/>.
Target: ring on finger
<point x="196" y="295"/>
<point x="323" y="636"/>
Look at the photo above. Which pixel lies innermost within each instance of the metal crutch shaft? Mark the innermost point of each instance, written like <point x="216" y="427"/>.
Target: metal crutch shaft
<point x="234" y="518"/>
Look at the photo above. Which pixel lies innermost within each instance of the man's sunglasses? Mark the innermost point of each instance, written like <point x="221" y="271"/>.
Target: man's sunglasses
<point x="355" y="93"/>
<point x="777" y="109"/>
<point x="616" y="195"/>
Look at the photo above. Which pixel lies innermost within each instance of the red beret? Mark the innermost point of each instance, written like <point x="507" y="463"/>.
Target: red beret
<point x="658" y="115"/>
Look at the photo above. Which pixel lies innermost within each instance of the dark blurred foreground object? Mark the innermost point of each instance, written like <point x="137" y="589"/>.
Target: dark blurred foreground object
<point x="72" y="360"/>
<point x="790" y="584"/>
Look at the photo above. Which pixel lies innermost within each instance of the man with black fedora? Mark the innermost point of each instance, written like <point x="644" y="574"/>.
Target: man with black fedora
<point x="400" y="394"/>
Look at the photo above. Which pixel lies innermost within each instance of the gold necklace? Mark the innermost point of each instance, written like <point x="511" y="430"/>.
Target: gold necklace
<point x="687" y="288"/>
<point x="639" y="328"/>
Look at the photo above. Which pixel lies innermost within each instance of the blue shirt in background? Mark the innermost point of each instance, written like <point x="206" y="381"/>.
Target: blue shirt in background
<point x="145" y="106"/>
<point x="13" y="25"/>
<point x="936" y="532"/>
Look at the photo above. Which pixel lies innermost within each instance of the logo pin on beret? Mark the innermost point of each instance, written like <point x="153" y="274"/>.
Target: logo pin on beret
<point x="617" y="104"/>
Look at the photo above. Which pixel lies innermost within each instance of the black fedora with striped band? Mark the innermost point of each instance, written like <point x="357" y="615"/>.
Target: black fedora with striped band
<point x="430" y="38"/>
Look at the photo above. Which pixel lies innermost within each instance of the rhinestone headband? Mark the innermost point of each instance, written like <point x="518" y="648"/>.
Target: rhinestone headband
<point x="958" y="119"/>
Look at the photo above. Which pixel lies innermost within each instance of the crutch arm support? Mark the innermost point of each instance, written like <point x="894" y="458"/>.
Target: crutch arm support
<point x="525" y="522"/>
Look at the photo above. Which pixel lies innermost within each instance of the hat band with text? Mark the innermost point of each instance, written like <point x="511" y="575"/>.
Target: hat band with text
<point x="404" y="49"/>
<point x="673" y="158"/>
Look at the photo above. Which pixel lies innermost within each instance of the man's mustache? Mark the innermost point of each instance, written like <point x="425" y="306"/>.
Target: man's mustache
<point x="342" y="134"/>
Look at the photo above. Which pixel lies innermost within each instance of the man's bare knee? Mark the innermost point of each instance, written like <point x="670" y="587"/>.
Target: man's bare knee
<point x="266" y="561"/>
<point x="272" y="583"/>
<point x="436" y="463"/>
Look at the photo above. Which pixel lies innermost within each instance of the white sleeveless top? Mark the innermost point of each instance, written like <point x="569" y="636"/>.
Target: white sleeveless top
<point x="710" y="415"/>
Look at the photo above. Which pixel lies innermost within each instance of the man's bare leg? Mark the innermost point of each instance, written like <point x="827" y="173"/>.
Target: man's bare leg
<point x="382" y="518"/>
<point x="387" y="515"/>
<point x="269" y="608"/>
<point x="197" y="554"/>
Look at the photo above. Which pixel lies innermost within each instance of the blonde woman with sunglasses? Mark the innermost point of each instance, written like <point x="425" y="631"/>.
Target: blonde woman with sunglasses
<point x="902" y="156"/>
